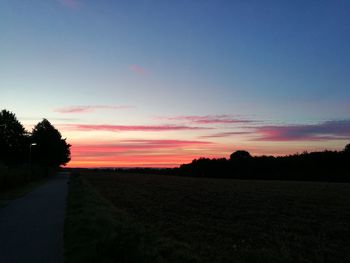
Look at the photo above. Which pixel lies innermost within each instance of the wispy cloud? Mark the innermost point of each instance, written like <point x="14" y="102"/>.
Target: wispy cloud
<point x="208" y="119"/>
<point x="165" y="143"/>
<point x="91" y="108"/>
<point x="138" y="70"/>
<point x="329" y="130"/>
<point x="36" y="119"/>
<point x="225" y="134"/>
<point x="73" y="4"/>
<point x="126" y="146"/>
<point x="120" y="128"/>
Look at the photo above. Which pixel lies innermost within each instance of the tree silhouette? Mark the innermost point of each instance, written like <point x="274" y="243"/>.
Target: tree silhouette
<point x="50" y="149"/>
<point x="346" y="152"/>
<point x="240" y="155"/>
<point x="13" y="139"/>
<point x="347" y="149"/>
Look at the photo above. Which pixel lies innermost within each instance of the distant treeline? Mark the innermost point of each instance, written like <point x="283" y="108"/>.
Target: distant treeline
<point x="332" y="166"/>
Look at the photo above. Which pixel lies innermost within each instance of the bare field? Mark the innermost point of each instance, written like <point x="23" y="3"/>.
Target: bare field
<point x="226" y="220"/>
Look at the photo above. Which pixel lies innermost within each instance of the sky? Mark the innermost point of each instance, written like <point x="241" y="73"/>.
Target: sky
<point x="158" y="83"/>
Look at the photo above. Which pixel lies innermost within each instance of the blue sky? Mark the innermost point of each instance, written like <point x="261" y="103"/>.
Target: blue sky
<point x="274" y="62"/>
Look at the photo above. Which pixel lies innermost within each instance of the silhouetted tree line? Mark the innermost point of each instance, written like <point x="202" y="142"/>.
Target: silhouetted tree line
<point x="330" y="166"/>
<point x="24" y="153"/>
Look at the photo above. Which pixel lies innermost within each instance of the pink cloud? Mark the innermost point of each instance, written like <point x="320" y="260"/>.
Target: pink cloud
<point x="225" y="134"/>
<point x="118" y="128"/>
<point x="329" y="130"/>
<point x="128" y="146"/>
<point x="86" y="109"/>
<point x="138" y="70"/>
<point x="209" y="119"/>
<point x="166" y="143"/>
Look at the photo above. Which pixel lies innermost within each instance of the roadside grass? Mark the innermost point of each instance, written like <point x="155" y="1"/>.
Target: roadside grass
<point x="96" y="231"/>
<point x="8" y="195"/>
<point x="225" y="220"/>
<point x="18" y="181"/>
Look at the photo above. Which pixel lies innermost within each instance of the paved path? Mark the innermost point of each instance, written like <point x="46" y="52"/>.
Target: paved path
<point x="31" y="227"/>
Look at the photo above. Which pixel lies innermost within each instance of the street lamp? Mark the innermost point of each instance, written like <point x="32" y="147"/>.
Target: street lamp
<point x="30" y="152"/>
<point x="30" y="159"/>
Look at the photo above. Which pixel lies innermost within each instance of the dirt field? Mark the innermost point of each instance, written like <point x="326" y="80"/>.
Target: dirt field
<point x="225" y="220"/>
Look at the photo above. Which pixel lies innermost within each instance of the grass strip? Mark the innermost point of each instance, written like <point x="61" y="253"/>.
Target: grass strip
<point x="8" y="195"/>
<point x="96" y="231"/>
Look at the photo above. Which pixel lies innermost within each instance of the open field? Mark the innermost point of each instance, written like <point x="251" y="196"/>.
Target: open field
<point x="226" y="220"/>
<point x="97" y="231"/>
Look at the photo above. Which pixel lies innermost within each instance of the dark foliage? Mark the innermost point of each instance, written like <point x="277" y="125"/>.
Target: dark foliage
<point x="315" y="166"/>
<point x="13" y="139"/>
<point x="50" y="148"/>
<point x="240" y="155"/>
<point x="26" y="157"/>
<point x="44" y="146"/>
<point x="347" y="149"/>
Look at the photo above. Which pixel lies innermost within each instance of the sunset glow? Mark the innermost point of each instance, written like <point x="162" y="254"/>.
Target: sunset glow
<point x="157" y="84"/>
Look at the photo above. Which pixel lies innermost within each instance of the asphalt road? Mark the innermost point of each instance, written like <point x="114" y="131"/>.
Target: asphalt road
<point x="31" y="227"/>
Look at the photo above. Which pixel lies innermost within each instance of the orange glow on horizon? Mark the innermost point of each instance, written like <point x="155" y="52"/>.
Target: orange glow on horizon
<point x="164" y="145"/>
<point x="132" y="161"/>
<point x="167" y="153"/>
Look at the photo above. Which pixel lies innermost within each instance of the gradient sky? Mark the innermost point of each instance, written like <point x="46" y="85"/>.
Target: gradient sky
<point x="158" y="83"/>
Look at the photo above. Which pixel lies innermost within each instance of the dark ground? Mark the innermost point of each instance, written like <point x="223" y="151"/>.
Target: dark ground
<point x="225" y="220"/>
<point x="31" y="227"/>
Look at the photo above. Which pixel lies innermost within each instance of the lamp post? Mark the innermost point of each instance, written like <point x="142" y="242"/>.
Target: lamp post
<point x="30" y="160"/>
